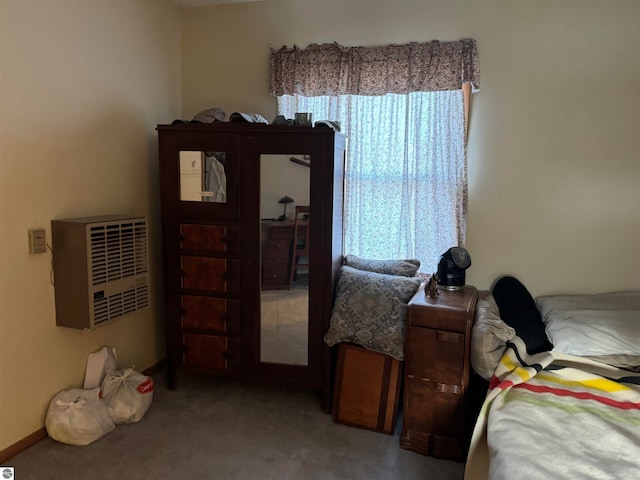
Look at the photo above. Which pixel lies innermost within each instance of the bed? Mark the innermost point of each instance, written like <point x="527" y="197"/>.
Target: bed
<point x="563" y="376"/>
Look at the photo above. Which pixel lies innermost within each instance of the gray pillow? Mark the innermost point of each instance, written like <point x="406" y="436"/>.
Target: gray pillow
<point x="407" y="268"/>
<point x="489" y="337"/>
<point x="371" y="310"/>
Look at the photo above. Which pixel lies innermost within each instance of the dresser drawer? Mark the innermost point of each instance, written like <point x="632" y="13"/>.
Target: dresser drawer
<point x="210" y="274"/>
<point x="204" y="238"/>
<point x="276" y="271"/>
<point x="280" y="236"/>
<point x="205" y="352"/>
<point x="209" y="313"/>
<point x="212" y="238"/>
<point x="277" y="253"/>
<point x="435" y="356"/>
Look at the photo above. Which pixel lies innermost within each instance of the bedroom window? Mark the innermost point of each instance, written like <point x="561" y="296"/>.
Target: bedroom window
<point x="406" y="176"/>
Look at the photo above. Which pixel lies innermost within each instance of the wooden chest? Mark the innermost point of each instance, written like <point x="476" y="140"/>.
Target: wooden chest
<point x="437" y="370"/>
<point x="367" y="389"/>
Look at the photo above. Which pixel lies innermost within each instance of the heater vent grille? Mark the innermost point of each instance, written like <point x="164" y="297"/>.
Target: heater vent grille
<point x="119" y="304"/>
<point x="118" y="251"/>
<point x="100" y="268"/>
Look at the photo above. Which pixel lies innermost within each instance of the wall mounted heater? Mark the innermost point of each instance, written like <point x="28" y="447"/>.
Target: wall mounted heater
<point x="100" y="267"/>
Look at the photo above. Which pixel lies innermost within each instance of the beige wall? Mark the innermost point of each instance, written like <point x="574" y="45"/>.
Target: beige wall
<point x="279" y="177"/>
<point x="554" y="169"/>
<point x="82" y="86"/>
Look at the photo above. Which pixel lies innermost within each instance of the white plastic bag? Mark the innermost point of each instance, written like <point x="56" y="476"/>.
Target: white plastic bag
<point x="98" y="365"/>
<point x="128" y="395"/>
<point x="78" y="417"/>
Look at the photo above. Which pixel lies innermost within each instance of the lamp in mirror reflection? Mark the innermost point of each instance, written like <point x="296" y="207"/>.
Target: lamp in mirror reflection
<point x="285" y="200"/>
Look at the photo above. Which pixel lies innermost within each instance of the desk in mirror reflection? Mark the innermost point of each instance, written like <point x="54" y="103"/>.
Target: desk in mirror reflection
<point x="285" y="304"/>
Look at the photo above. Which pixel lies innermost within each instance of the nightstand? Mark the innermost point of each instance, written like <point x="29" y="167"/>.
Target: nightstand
<point x="437" y="371"/>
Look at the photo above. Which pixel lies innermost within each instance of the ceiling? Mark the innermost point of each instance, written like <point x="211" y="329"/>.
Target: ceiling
<point x="204" y="3"/>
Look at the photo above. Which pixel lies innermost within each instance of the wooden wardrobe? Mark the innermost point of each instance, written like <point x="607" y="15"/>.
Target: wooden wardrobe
<point x="213" y="242"/>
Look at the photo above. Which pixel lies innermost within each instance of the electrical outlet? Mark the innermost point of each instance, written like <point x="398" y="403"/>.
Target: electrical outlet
<point x="37" y="241"/>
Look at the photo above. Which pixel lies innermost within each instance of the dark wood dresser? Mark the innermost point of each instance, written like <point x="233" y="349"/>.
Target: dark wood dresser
<point x="214" y="257"/>
<point x="277" y="255"/>
<point x="437" y="369"/>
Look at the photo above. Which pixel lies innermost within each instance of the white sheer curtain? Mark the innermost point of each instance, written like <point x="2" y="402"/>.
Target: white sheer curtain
<point x="406" y="176"/>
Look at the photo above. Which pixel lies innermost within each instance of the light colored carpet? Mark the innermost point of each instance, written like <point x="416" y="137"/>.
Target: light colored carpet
<point x="212" y="428"/>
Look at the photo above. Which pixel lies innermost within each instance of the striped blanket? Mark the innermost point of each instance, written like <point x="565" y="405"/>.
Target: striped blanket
<point x="556" y="416"/>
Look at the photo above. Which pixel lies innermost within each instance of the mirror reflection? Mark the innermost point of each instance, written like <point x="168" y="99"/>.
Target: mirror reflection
<point x="202" y="176"/>
<point x="285" y="219"/>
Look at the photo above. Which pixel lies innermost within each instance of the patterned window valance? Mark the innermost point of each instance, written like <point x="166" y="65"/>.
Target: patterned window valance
<point x="331" y="69"/>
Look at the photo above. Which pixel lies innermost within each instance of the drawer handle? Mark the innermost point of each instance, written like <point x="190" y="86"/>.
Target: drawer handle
<point x="183" y="311"/>
<point x="449" y="337"/>
<point x="444" y="388"/>
<point x="224" y="276"/>
<point x="225" y="354"/>
<point x="409" y="376"/>
<point x="182" y="237"/>
<point x="183" y="273"/>
<point x="224" y="239"/>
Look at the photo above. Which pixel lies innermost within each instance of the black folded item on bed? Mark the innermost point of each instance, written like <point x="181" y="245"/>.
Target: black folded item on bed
<point x="518" y="310"/>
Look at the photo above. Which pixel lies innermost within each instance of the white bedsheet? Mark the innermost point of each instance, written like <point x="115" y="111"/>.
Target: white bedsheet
<point x="555" y="416"/>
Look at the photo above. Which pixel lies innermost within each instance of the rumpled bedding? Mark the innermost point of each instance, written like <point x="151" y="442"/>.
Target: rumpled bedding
<point x="556" y="416"/>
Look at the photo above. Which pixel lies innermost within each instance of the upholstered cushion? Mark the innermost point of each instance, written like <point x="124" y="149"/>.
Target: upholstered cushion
<point x="407" y="268"/>
<point x="370" y="310"/>
<point x="489" y="337"/>
<point x="518" y="310"/>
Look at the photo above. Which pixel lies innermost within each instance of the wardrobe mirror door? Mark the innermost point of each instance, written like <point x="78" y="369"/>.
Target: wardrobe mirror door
<point x="284" y="218"/>
<point x="203" y="177"/>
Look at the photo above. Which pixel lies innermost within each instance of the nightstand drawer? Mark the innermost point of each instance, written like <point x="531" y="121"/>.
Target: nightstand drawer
<point x="435" y="355"/>
<point x="442" y="318"/>
<point x="449" y="311"/>
<point x="430" y="426"/>
<point x="431" y="410"/>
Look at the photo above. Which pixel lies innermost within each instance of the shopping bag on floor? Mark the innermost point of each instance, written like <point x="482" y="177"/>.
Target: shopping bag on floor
<point x="98" y="365"/>
<point x="128" y="395"/>
<point x="78" y="417"/>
